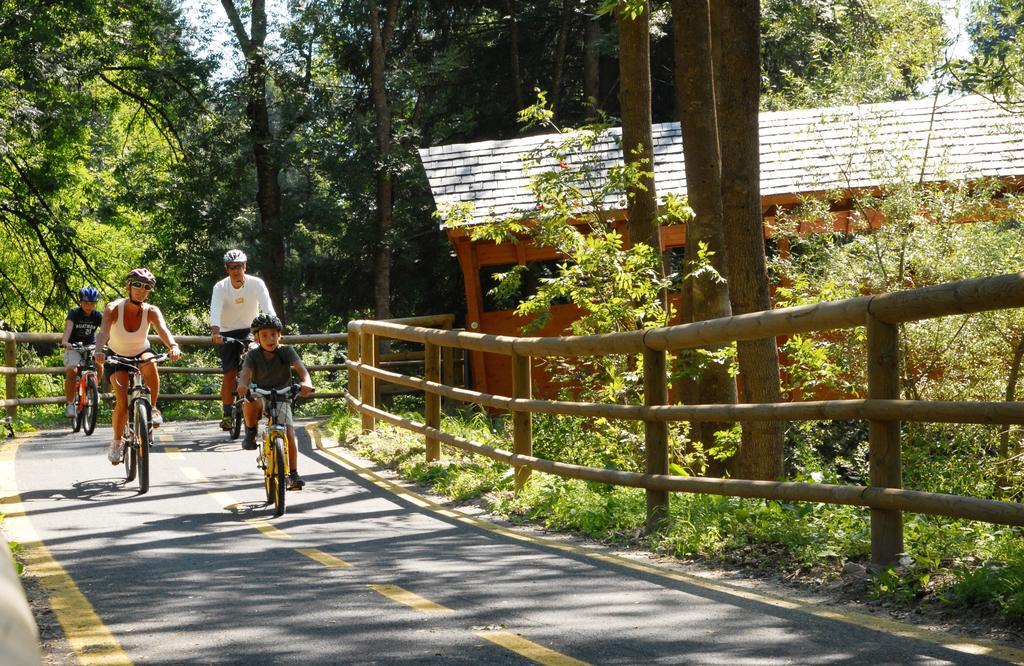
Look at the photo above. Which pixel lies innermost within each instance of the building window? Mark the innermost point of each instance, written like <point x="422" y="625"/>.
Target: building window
<point x="523" y="283"/>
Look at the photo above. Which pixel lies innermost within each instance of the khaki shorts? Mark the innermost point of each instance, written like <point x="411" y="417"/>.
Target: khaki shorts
<point x="72" y="358"/>
<point x="284" y="411"/>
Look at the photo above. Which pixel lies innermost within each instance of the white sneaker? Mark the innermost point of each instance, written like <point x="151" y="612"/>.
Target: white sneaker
<point x="114" y="454"/>
<point x="69" y="411"/>
<point x="156" y="418"/>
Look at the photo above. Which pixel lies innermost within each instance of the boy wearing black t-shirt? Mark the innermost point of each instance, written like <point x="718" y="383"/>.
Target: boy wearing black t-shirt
<point x="270" y="366"/>
<point x="79" y="328"/>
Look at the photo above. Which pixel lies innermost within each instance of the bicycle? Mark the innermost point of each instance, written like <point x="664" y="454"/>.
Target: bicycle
<point x="236" y="406"/>
<point x="272" y="455"/>
<point x="87" y="394"/>
<point x="138" y="432"/>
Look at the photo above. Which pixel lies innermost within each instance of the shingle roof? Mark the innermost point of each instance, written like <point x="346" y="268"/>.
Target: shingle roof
<point x="802" y="151"/>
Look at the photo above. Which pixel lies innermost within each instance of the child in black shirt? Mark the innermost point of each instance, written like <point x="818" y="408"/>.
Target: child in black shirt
<point x="79" y="328"/>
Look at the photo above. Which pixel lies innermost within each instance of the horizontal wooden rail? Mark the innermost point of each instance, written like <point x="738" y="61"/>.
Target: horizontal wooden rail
<point x="11" y="337"/>
<point x="924" y="411"/>
<point x="183" y="340"/>
<point x="168" y="369"/>
<point x="966" y="296"/>
<point x="1005" y="513"/>
<point x="108" y="397"/>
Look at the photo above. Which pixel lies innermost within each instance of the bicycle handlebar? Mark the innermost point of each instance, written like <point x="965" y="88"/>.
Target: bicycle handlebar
<point x="82" y="347"/>
<point x="287" y="393"/>
<point x="134" y="362"/>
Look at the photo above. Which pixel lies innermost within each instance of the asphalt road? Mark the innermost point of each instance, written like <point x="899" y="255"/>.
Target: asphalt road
<point x="198" y="571"/>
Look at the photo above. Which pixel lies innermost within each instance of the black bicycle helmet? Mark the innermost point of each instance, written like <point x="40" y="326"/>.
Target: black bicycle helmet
<point x="265" y="320"/>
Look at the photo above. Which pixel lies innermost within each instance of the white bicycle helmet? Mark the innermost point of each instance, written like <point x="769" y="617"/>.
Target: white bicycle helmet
<point x="234" y="257"/>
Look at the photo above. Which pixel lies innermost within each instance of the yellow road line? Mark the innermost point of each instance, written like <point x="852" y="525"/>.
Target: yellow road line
<point x="323" y="558"/>
<point x="410" y="599"/>
<point x="952" y="642"/>
<point x="194" y="474"/>
<point x="173" y="452"/>
<point x="268" y="529"/>
<point x="88" y="636"/>
<point x="164" y="437"/>
<point x="529" y="649"/>
<point x="225" y="500"/>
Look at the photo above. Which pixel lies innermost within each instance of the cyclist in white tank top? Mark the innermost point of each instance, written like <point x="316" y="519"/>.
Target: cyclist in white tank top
<point x="124" y="329"/>
<point x="124" y="342"/>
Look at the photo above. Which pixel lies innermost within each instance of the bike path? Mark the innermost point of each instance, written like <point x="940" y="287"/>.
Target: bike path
<point x="197" y="571"/>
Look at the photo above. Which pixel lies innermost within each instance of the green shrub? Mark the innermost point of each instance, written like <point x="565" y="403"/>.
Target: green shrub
<point x="997" y="586"/>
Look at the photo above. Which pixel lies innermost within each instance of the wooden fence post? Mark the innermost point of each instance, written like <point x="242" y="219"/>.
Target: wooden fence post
<point x="447" y="372"/>
<point x="432" y="401"/>
<point x="11" y="360"/>
<point x="656" y="436"/>
<point x="884" y="438"/>
<point x="522" y="422"/>
<point x="367" y="384"/>
<point x="353" y="355"/>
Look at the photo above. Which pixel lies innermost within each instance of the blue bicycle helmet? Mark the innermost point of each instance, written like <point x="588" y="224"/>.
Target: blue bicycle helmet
<point x="89" y="294"/>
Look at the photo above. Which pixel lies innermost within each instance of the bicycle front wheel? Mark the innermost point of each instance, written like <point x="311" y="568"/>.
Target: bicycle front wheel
<point x="278" y="471"/>
<point x="141" y="444"/>
<point x="128" y="457"/>
<point x="92" y="405"/>
<point x="76" y="420"/>
<point x="267" y="462"/>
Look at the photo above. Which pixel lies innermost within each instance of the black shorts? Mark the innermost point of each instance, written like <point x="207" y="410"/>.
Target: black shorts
<point x="110" y="368"/>
<point x="230" y="352"/>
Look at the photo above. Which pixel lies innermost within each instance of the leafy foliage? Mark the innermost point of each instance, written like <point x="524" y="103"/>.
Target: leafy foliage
<point x="995" y="66"/>
<point x="829" y="53"/>
<point x="90" y="97"/>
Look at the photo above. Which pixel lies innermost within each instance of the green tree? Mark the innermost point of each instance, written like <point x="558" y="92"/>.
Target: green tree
<point x="995" y="66"/>
<point x="836" y="52"/>
<point x="737" y="90"/>
<point x="266" y="150"/>
<point x="705" y="295"/>
<point x="92" y="101"/>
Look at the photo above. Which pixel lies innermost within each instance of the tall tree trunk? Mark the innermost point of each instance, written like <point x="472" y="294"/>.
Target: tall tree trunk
<point x="513" y="47"/>
<point x="736" y="25"/>
<point x="382" y="108"/>
<point x="268" y="189"/>
<point x="635" y="103"/>
<point x="592" y="61"/>
<point x="703" y="297"/>
<point x="1013" y="377"/>
<point x="560" y="47"/>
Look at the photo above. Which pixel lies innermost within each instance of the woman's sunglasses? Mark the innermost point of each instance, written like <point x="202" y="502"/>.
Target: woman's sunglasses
<point x="141" y="285"/>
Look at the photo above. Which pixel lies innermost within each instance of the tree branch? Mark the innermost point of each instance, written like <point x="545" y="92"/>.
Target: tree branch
<point x="149" y="107"/>
<point x="236" y="24"/>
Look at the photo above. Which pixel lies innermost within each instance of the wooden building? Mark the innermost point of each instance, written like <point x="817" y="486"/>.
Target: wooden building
<point x="804" y="153"/>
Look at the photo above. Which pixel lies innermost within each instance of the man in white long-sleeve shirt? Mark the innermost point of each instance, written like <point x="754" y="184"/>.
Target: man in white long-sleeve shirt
<point x="236" y="301"/>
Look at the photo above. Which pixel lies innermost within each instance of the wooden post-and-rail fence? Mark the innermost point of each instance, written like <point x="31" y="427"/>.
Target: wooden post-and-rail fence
<point x="11" y="370"/>
<point x="880" y="315"/>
